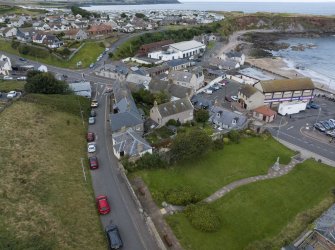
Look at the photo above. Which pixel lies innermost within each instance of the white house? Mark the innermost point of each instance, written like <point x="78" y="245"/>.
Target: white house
<point x="8" y="32"/>
<point x="234" y="55"/>
<point x="5" y="65"/>
<point x="180" y="50"/>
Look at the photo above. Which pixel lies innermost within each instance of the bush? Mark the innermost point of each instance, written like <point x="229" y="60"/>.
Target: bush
<point x="203" y="217"/>
<point x="226" y="140"/>
<point x="234" y="136"/>
<point x="150" y="161"/>
<point x="218" y="144"/>
<point x="181" y="196"/>
<point x="201" y="115"/>
<point x="173" y="123"/>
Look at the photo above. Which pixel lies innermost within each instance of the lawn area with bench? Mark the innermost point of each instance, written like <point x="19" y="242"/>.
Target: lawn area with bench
<point x="264" y="210"/>
<point x="45" y="201"/>
<point x="252" y="156"/>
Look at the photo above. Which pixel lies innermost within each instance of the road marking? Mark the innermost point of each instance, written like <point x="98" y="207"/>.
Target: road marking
<point x="290" y="128"/>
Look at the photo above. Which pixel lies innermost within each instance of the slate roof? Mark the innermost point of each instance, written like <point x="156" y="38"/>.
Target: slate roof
<point x="226" y="117"/>
<point x="131" y="143"/>
<point x="138" y="79"/>
<point x="287" y="85"/>
<point x="175" y="107"/>
<point x="125" y="119"/>
<point x="199" y="102"/>
<point x="325" y="225"/>
<point x="123" y="70"/>
<point x="180" y="76"/>
<point x="248" y="90"/>
<point x="177" y="62"/>
<point x="179" y="91"/>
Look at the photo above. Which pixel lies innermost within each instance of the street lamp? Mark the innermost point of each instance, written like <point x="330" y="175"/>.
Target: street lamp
<point x="279" y="126"/>
<point x="317" y="118"/>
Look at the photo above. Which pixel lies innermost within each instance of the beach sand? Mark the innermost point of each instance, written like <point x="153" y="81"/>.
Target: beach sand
<point x="276" y="66"/>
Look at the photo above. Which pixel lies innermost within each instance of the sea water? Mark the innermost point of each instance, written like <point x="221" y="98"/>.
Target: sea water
<point x="316" y="61"/>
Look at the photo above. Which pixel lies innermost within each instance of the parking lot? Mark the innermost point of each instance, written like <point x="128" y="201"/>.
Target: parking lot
<point x="299" y="129"/>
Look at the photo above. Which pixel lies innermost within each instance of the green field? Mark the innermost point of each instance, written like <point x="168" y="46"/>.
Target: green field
<point x="6" y="86"/>
<point x="262" y="210"/>
<point x="253" y="156"/>
<point x="6" y="9"/>
<point x="87" y="55"/>
<point x="44" y="201"/>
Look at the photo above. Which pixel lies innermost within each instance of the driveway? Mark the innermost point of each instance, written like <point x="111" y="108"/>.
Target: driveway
<point x="107" y="180"/>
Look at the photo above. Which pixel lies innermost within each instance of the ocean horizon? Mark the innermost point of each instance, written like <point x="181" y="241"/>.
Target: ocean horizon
<point x="324" y="8"/>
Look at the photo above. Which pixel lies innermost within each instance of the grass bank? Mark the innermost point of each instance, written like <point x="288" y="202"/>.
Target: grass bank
<point x="263" y="210"/>
<point x="87" y="55"/>
<point x="253" y="156"/>
<point x="6" y="86"/>
<point x="44" y="201"/>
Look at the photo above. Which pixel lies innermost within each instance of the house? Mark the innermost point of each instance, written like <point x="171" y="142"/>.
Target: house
<point x="8" y="32"/>
<point x="146" y="48"/>
<point x="131" y="144"/>
<point x="81" y="88"/>
<point x="180" y="50"/>
<point x="283" y="90"/>
<point x="113" y="71"/>
<point x="193" y="79"/>
<point x="100" y="29"/>
<point x="264" y="113"/>
<point x="179" y="64"/>
<point x="137" y="81"/>
<point x="236" y="56"/>
<point x="128" y="28"/>
<point x="158" y="70"/>
<point x="228" y="64"/>
<point x="250" y="98"/>
<point x="52" y="41"/>
<point x="38" y="38"/>
<point x="175" y="91"/>
<point x="225" y="119"/>
<point x="199" y="101"/>
<point x="125" y="113"/>
<point x="23" y="36"/>
<point x="76" y="34"/>
<point x="5" y="65"/>
<point x="180" y="110"/>
<point x="41" y="26"/>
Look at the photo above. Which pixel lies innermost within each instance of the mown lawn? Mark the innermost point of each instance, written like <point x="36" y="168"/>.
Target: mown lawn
<point x="253" y="156"/>
<point x="44" y="201"/>
<point x="6" y="86"/>
<point x="261" y="210"/>
<point x="87" y="55"/>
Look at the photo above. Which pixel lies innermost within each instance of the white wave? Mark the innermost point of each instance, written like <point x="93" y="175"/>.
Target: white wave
<point x="315" y="76"/>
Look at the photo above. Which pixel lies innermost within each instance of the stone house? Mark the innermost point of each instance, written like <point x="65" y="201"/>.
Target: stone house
<point x="76" y="34"/>
<point x="225" y="119"/>
<point x="180" y="110"/>
<point x="250" y="98"/>
<point x="193" y="79"/>
<point x="8" y="32"/>
<point x="264" y="113"/>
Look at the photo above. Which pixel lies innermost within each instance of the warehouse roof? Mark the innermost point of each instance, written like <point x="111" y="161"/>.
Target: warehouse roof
<point x="287" y="85"/>
<point x="186" y="45"/>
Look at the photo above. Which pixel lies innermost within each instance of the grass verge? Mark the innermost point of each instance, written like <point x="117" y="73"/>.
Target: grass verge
<point x="253" y="156"/>
<point x="6" y="86"/>
<point x="264" y="209"/>
<point x="44" y="201"/>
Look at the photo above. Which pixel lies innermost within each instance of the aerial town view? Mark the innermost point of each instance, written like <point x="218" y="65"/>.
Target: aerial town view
<point x="167" y="125"/>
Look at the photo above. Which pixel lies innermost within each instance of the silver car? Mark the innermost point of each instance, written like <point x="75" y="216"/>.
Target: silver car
<point x="91" y="120"/>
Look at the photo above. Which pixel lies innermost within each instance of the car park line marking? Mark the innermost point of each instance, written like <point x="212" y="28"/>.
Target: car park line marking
<point x="290" y="128"/>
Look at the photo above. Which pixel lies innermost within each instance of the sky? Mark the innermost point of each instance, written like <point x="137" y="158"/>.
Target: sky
<point x="308" y="1"/>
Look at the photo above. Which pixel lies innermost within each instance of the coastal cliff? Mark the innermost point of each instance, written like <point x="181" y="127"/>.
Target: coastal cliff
<point x="285" y="22"/>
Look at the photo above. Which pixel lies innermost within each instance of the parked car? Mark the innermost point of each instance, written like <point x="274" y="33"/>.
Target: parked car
<point x="234" y="98"/>
<point x="102" y="203"/>
<point x="22" y="78"/>
<point x="91" y="120"/>
<point x="93" y="162"/>
<point x="330" y="124"/>
<point x="319" y="127"/>
<point x="8" y="78"/>
<point x="22" y="59"/>
<point x="228" y="99"/>
<point x="113" y="237"/>
<point x="325" y="125"/>
<point x="94" y="104"/>
<point x="90" y="137"/>
<point x="11" y="94"/>
<point x="209" y="91"/>
<point x="91" y="147"/>
<point x="216" y="87"/>
<point x="314" y="105"/>
<point x="93" y="113"/>
<point x="91" y="65"/>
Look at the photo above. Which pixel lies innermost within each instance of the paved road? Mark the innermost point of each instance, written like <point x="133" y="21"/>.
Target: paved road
<point x="298" y="130"/>
<point x="107" y="180"/>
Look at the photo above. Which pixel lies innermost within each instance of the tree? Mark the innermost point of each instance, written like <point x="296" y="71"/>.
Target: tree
<point x="161" y="97"/>
<point x="150" y="161"/>
<point x="190" y="146"/>
<point x="140" y="15"/>
<point x="45" y="83"/>
<point x="123" y="15"/>
<point x="234" y="136"/>
<point x="201" y="115"/>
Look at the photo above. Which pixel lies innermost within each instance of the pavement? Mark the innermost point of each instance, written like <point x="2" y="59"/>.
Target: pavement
<point x="108" y="180"/>
<point x="298" y="130"/>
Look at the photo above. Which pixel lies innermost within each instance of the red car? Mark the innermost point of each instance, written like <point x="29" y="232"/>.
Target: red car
<point x="90" y="137"/>
<point x="102" y="203"/>
<point x="93" y="161"/>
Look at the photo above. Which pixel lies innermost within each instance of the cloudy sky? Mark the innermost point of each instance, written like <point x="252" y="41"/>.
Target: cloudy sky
<point x="310" y="1"/>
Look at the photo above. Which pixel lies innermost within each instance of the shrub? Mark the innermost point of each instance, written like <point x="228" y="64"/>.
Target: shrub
<point x="218" y="144"/>
<point x="226" y="140"/>
<point x="201" y="115"/>
<point x="234" y="136"/>
<point x="172" y="123"/>
<point x="150" y="161"/>
<point x="203" y="217"/>
<point x="181" y="196"/>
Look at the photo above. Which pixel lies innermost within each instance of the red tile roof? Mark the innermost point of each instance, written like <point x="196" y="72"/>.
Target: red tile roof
<point x="265" y="110"/>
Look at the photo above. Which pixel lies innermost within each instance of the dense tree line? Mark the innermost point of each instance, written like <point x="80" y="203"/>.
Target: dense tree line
<point x="84" y="13"/>
<point x="45" y="83"/>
